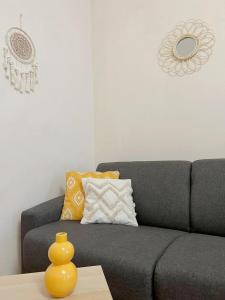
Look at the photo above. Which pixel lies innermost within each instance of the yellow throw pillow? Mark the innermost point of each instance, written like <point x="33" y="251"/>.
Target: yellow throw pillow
<point x="74" y="196"/>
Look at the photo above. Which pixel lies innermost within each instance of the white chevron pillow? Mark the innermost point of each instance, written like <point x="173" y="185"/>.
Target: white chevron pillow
<point x="108" y="201"/>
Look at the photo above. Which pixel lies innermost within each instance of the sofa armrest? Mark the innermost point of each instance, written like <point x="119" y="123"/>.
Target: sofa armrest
<point x="44" y="213"/>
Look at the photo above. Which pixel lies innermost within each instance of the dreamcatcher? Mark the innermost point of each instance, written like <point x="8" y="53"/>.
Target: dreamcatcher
<point x="19" y="60"/>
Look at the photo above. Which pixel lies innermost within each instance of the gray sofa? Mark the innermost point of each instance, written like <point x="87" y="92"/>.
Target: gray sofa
<point x="176" y="253"/>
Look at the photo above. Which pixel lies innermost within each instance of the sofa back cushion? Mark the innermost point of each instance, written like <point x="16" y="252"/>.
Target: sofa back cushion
<point x="208" y="197"/>
<point x="161" y="191"/>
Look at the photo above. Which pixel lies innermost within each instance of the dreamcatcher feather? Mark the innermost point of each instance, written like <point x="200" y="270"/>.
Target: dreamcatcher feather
<point x="19" y="60"/>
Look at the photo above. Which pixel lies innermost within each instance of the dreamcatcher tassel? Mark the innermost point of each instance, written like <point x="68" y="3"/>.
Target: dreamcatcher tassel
<point x="11" y="73"/>
<point x="20" y="83"/>
<point x="35" y="72"/>
<point x="27" y="85"/>
<point x="17" y="80"/>
<point x="7" y="73"/>
<point x="5" y="51"/>
<point x="24" y="81"/>
<point x="32" y="81"/>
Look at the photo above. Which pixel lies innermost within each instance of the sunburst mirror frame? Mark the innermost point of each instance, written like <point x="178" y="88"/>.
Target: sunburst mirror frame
<point x="176" y="65"/>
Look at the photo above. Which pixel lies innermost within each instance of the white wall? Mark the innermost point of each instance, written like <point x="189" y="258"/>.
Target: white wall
<point x="44" y="134"/>
<point x="141" y="112"/>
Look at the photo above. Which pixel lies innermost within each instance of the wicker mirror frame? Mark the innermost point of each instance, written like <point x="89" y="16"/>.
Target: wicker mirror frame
<point x="174" y="64"/>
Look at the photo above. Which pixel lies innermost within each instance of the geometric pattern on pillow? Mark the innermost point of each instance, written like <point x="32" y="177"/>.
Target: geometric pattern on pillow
<point x="108" y="201"/>
<point x="73" y="206"/>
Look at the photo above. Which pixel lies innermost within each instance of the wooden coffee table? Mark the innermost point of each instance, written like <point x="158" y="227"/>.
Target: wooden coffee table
<point x="91" y="285"/>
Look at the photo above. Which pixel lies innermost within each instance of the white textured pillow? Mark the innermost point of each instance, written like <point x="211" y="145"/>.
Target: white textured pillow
<point x="108" y="201"/>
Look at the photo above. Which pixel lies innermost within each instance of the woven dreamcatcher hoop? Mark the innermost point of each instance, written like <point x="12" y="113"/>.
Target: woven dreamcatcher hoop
<point x="19" y="60"/>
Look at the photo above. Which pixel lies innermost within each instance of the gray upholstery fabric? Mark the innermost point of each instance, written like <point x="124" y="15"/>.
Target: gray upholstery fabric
<point x="44" y="213"/>
<point x="208" y="197"/>
<point x="192" y="268"/>
<point x="161" y="191"/>
<point x="127" y="254"/>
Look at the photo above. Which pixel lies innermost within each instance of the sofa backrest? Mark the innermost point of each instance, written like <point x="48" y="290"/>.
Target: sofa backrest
<point x="161" y="191"/>
<point x="208" y="197"/>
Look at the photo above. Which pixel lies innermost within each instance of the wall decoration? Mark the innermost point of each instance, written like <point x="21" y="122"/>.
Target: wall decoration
<point x="19" y="60"/>
<point x="186" y="48"/>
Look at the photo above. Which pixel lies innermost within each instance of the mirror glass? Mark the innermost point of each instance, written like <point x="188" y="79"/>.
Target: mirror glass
<point x="186" y="47"/>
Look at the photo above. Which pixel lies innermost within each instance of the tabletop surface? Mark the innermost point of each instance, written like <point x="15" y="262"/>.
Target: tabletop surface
<point x="91" y="285"/>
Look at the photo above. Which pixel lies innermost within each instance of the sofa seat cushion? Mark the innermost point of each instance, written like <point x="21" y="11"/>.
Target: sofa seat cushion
<point x="127" y="254"/>
<point x="192" y="268"/>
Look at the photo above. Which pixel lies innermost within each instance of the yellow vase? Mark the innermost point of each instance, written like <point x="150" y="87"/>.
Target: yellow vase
<point x="61" y="275"/>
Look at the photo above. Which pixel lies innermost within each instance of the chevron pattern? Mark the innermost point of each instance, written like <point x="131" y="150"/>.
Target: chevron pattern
<point x="108" y="201"/>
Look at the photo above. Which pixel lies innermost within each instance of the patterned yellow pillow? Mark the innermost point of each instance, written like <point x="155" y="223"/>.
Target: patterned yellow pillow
<point x="74" y="196"/>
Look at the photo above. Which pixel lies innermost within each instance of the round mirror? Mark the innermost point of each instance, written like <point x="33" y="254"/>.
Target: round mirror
<point x="186" y="47"/>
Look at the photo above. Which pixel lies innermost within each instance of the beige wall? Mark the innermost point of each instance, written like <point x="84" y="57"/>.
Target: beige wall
<point x="44" y="134"/>
<point x="141" y="112"/>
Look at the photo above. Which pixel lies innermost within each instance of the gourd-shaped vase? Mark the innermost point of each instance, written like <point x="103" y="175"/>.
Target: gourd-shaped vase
<point x="61" y="275"/>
